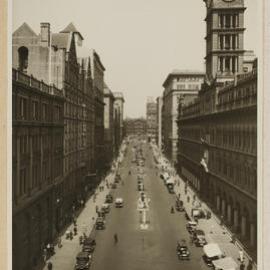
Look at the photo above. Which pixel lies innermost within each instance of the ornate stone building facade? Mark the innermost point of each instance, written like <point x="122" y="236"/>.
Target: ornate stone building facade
<point x="218" y="131"/>
<point x="37" y="166"/>
<point x="180" y="85"/>
<point x="52" y="58"/>
<point x="98" y="87"/>
<point x="109" y="126"/>
<point x="151" y="119"/>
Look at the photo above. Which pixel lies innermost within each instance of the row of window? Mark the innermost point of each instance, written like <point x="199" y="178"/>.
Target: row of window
<point x="38" y="140"/>
<point x="239" y="174"/>
<point x="25" y="184"/>
<point x="188" y="86"/>
<point x="228" y="20"/>
<point x="229" y="42"/>
<point x="228" y="64"/>
<point x="237" y="94"/>
<point x="33" y="110"/>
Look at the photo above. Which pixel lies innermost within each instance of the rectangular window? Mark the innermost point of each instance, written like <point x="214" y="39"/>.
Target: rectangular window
<point x="227" y="42"/>
<point x="35" y="110"/>
<point x="221" y="42"/>
<point x="227" y="64"/>
<point x="22" y="185"/>
<point x="22" y="109"/>
<point x="45" y="111"/>
<point x="181" y="86"/>
<point x="227" y="21"/>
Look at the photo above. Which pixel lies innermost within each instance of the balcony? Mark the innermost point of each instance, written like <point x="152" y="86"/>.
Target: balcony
<point x="30" y="81"/>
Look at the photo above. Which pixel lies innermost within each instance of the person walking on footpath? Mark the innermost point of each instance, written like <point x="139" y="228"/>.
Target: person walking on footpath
<point x="115" y="238"/>
<point x="50" y="266"/>
<point x="59" y="242"/>
<point x="241" y="256"/>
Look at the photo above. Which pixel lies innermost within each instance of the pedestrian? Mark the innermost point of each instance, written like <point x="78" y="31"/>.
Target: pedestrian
<point x="241" y="256"/>
<point x="75" y="230"/>
<point x="249" y="267"/>
<point x="48" y="250"/>
<point x="45" y="254"/>
<point x="242" y="266"/>
<point x="115" y="238"/>
<point x="50" y="266"/>
<point x="96" y="209"/>
<point x="74" y="221"/>
<point x="59" y="242"/>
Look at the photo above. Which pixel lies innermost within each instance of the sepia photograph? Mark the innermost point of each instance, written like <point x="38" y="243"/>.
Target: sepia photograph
<point x="135" y="134"/>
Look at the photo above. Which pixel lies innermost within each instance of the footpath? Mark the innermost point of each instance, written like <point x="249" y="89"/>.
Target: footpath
<point x="214" y="230"/>
<point x="65" y="256"/>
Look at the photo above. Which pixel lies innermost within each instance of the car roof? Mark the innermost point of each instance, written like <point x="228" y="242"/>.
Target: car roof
<point x="82" y="254"/>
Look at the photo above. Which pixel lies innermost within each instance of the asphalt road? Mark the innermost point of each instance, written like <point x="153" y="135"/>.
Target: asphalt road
<point x="154" y="248"/>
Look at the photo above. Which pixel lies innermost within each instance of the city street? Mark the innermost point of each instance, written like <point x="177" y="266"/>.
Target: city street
<point x="153" y="248"/>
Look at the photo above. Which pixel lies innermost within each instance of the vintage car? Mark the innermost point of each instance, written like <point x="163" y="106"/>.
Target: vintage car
<point x="119" y="202"/>
<point x="212" y="252"/>
<point x="179" y="206"/>
<point x="199" y="238"/>
<point x="114" y="186"/>
<point x="105" y="208"/>
<point x="83" y="261"/>
<point x="89" y="245"/>
<point x="182" y="250"/>
<point x="191" y="226"/>
<point x="109" y="198"/>
<point x="100" y="223"/>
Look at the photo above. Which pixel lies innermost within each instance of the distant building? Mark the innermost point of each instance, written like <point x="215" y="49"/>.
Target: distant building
<point x="109" y="128"/>
<point x="98" y="87"/>
<point x="159" y="121"/>
<point x="119" y="104"/>
<point x="137" y="126"/>
<point x="179" y="86"/>
<point x="151" y="119"/>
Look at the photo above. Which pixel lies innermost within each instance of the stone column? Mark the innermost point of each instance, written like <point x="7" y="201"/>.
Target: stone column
<point x="218" y="202"/>
<point x="243" y="226"/>
<point x="231" y="42"/>
<point x="235" y="218"/>
<point x="223" y="209"/>
<point x="252" y="234"/>
<point x="229" y="214"/>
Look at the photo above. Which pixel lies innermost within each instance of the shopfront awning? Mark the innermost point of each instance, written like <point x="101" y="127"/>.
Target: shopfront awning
<point x="227" y="263"/>
<point x="212" y="250"/>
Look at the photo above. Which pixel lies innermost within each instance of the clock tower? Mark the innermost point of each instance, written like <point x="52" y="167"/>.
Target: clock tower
<point x="224" y="38"/>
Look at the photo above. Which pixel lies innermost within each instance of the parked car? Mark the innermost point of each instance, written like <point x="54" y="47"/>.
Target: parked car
<point x="89" y="245"/>
<point x="100" y="223"/>
<point x="114" y="186"/>
<point x="83" y="261"/>
<point x="109" y="198"/>
<point x="119" y="202"/>
<point x="179" y="206"/>
<point x="191" y="226"/>
<point x="199" y="238"/>
<point x="182" y="250"/>
<point x="105" y="208"/>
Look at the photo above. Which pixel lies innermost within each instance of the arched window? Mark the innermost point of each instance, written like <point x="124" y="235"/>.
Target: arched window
<point x="23" y="58"/>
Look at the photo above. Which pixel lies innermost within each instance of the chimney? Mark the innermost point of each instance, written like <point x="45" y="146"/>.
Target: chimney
<point x="45" y="34"/>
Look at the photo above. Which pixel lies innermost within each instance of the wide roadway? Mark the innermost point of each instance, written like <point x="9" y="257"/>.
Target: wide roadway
<point x="154" y="248"/>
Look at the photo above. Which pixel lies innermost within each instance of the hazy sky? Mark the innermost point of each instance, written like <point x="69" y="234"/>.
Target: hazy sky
<point x="139" y="41"/>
